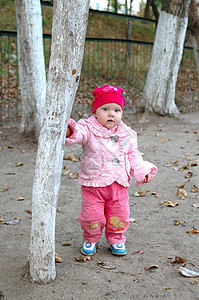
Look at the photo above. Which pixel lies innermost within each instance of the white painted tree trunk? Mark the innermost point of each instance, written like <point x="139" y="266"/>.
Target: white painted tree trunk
<point x="32" y="76"/>
<point x="68" y="39"/>
<point x="159" y="90"/>
<point x="194" y="25"/>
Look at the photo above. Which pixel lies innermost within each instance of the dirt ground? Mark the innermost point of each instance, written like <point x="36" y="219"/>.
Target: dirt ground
<point x="159" y="234"/>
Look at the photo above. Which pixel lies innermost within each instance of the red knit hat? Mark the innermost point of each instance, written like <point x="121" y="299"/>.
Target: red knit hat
<point x="107" y="94"/>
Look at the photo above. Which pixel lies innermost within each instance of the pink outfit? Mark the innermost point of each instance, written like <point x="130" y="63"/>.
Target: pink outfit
<point x="109" y="159"/>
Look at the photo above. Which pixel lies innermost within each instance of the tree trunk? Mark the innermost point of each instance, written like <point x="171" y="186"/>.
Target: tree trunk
<point x="32" y="76"/>
<point x="194" y="26"/>
<point x="155" y="10"/>
<point x="147" y="9"/>
<point x="159" y="90"/>
<point x="68" y="38"/>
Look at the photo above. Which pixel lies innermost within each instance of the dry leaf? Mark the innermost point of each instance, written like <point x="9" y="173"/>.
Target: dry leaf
<point x="193" y="165"/>
<point x="180" y="185"/>
<point x="170" y="203"/>
<point x="139" y="252"/>
<point x="13" y="222"/>
<point x="188" y="175"/>
<point x="151" y="267"/>
<point x="1" y="220"/>
<point x="74" y="175"/>
<point x="4" y="190"/>
<point x="72" y="158"/>
<point x="177" y="259"/>
<point x="66" y="172"/>
<point x="193" y="231"/>
<point x="181" y="193"/>
<point x="66" y="244"/>
<point x="20" y="164"/>
<point x="142" y="194"/>
<point x="132" y="220"/>
<point x="194" y="189"/>
<point x="188" y="273"/>
<point x="183" y="168"/>
<point x="58" y="259"/>
<point x="106" y="265"/>
<point x="29" y="211"/>
<point x="83" y="259"/>
<point x="20" y="199"/>
<point x="10" y="147"/>
<point x="194" y="282"/>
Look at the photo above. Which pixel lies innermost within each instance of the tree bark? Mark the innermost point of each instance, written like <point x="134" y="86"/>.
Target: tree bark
<point x="32" y="76"/>
<point x="159" y="90"/>
<point x="194" y="26"/>
<point x="68" y="38"/>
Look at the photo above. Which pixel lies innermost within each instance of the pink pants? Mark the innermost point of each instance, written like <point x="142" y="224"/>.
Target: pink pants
<point x="105" y="206"/>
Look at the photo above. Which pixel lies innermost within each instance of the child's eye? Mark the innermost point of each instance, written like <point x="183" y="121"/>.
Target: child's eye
<point x="105" y="109"/>
<point x="117" y="110"/>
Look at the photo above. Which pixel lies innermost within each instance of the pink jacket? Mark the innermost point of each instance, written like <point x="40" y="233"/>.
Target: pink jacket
<point x="108" y="155"/>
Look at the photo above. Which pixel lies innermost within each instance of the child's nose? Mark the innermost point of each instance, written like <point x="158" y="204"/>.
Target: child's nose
<point x="111" y="113"/>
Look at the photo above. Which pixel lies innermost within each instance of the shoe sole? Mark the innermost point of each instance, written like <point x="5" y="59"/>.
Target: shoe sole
<point x="117" y="254"/>
<point x="87" y="253"/>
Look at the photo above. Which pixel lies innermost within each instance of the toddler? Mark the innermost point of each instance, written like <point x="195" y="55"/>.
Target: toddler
<point x="110" y="157"/>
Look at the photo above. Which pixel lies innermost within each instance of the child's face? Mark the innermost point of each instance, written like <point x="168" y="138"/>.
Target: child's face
<point x="109" y="115"/>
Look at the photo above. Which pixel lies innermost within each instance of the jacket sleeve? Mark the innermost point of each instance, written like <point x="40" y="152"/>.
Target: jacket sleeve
<point x="80" y="133"/>
<point x="139" y="168"/>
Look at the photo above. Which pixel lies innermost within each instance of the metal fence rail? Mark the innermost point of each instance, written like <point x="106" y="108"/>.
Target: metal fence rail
<point x="109" y="59"/>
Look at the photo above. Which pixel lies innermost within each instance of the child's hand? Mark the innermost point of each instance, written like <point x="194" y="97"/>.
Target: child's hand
<point x="69" y="132"/>
<point x="147" y="178"/>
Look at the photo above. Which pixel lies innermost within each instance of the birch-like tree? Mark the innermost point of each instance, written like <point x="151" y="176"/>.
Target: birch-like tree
<point x="68" y="39"/>
<point x="31" y="64"/>
<point x="194" y="26"/>
<point x="159" y="90"/>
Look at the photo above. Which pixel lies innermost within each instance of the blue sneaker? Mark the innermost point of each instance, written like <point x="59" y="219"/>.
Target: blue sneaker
<point x="118" y="249"/>
<point x="88" y="248"/>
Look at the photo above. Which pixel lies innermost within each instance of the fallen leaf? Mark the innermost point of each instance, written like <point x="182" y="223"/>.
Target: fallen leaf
<point x="66" y="244"/>
<point x="139" y="252"/>
<point x="83" y="259"/>
<point x="177" y="259"/>
<point x="188" y="273"/>
<point x="183" y="168"/>
<point x="132" y="220"/>
<point x="20" y="199"/>
<point x="151" y="267"/>
<point x="193" y="231"/>
<point x="66" y="172"/>
<point x="142" y="194"/>
<point x="29" y="211"/>
<point x="194" y="282"/>
<point x="136" y="194"/>
<point x="193" y="165"/>
<point x="4" y="189"/>
<point x="196" y="205"/>
<point x="181" y="193"/>
<point x="106" y="265"/>
<point x="13" y="222"/>
<point x="1" y="220"/>
<point x="74" y="175"/>
<point x="10" y="147"/>
<point x="194" y="189"/>
<point x="170" y="203"/>
<point x="181" y="185"/>
<point x="20" y="164"/>
<point x="188" y="175"/>
<point x="72" y="158"/>
<point x="58" y="258"/>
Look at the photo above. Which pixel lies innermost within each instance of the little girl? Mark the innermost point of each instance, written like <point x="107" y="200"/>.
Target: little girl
<point x="110" y="156"/>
